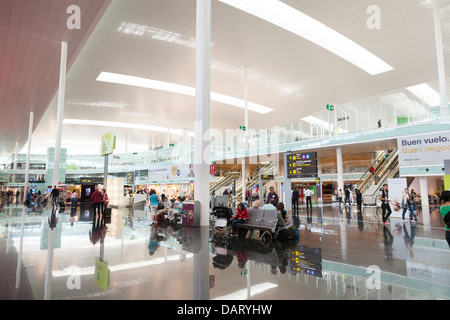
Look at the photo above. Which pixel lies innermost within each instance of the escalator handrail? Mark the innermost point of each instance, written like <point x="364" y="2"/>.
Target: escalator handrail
<point x="363" y="181"/>
<point x="381" y="169"/>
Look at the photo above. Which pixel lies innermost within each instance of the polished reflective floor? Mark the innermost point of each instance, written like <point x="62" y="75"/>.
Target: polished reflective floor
<point x="340" y="255"/>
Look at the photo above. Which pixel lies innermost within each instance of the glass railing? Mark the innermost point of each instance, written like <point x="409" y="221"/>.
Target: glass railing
<point x="348" y="123"/>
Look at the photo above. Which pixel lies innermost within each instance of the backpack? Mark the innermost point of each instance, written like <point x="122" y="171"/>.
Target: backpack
<point x="289" y="234"/>
<point x="160" y="206"/>
<point x="447" y="220"/>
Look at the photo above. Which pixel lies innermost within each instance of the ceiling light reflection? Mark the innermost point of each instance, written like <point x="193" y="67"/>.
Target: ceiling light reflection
<point x="100" y="104"/>
<point x="176" y="88"/>
<point x="243" y="294"/>
<point x="292" y="20"/>
<point x="155" y="33"/>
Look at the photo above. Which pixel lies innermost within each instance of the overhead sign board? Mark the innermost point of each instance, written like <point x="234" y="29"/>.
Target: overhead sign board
<point x="108" y="143"/>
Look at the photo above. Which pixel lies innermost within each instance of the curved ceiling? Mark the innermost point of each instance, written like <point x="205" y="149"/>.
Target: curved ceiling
<point x="155" y="40"/>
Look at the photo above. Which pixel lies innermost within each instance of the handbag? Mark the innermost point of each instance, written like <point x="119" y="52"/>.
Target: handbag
<point x="378" y="202"/>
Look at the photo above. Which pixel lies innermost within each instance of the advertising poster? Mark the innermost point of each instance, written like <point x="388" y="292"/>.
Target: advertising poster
<point x="101" y="274"/>
<point x="423" y="150"/>
<point x="396" y="187"/>
<point x="447" y="182"/>
<point x="174" y="172"/>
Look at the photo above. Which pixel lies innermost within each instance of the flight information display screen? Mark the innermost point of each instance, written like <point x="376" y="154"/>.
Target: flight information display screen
<point x="302" y="165"/>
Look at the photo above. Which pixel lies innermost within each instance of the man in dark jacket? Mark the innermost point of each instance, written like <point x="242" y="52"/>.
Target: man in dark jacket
<point x="54" y="195"/>
<point x="347" y="197"/>
<point x="295" y="196"/>
<point x="272" y="195"/>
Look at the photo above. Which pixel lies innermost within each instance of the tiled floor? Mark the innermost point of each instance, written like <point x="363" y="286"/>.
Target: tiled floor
<point x="340" y="256"/>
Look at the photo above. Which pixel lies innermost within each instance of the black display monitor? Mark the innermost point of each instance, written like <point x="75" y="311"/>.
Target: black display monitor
<point x="301" y="165"/>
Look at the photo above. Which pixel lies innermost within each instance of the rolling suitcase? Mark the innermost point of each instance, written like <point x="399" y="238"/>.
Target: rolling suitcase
<point x="107" y="215"/>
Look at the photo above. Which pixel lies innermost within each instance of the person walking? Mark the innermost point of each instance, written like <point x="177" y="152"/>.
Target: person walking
<point x="407" y="204"/>
<point x="105" y="200"/>
<point x="358" y="196"/>
<point x="97" y="200"/>
<point x="340" y="196"/>
<point x="413" y="195"/>
<point x="295" y="196"/>
<point x="308" y="194"/>
<point x="154" y="201"/>
<point x="385" y="206"/>
<point x="73" y="200"/>
<point x="347" y="196"/>
<point x="54" y="194"/>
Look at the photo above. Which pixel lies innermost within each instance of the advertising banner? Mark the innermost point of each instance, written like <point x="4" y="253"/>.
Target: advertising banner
<point x="396" y="188"/>
<point x="101" y="274"/>
<point x="447" y="182"/>
<point x="424" y="150"/>
<point x="174" y="172"/>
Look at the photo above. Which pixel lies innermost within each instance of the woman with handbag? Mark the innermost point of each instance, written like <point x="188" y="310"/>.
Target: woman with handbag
<point x="407" y="203"/>
<point x="105" y="200"/>
<point x="154" y="202"/>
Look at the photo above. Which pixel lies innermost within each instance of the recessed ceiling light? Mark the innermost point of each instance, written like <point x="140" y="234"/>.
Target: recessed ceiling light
<point x="124" y="125"/>
<point x="290" y="19"/>
<point x="135" y="114"/>
<point x="180" y="89"/>
<point x="424" y="92"/>
<point x="100" y="104"/>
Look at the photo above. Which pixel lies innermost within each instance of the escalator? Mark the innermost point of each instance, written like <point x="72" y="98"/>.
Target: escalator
<point x="225" y="180"/>
<point x="387" y="168"/>
<point x="255" y="179"/>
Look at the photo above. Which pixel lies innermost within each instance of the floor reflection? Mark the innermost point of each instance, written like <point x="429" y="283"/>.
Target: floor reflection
<point x="341" y="254"/>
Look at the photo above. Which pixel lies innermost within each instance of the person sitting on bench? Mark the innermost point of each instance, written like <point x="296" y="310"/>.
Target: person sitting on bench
<point x="171" y="213"/>
<point x="240" y="217"/>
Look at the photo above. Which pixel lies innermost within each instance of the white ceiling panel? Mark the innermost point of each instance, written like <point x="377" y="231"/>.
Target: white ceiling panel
<point x="156" y="40"/>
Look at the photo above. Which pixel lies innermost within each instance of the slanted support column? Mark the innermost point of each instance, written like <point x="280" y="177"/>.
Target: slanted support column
<point x="440" y="59"/>
<point x="55" y="178"/>
<point x="244" y="184"/>
<point x="202" y="109"/>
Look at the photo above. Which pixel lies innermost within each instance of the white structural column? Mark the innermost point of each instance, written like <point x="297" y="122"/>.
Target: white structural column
<point x="245" y="144"/>
<point x="16" y="154"/>
<point x="440" y="59"/>
<point x="168" y="132"/>
<point x="24" y="208"/>
<point x="424" y="191"/>
<point x="202" y="109"/>
<point x="59" y="120"/>
<point x="340" y="169"/>
<point x="60" y="113"/>
<point x="426" y="220"/>
<point x="425" y="205"/>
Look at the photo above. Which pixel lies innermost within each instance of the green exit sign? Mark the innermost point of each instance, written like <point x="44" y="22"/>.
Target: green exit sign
<point x="330" y="107"/>
<point x="171" y="145"/>
<point x="243" y="128"/>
